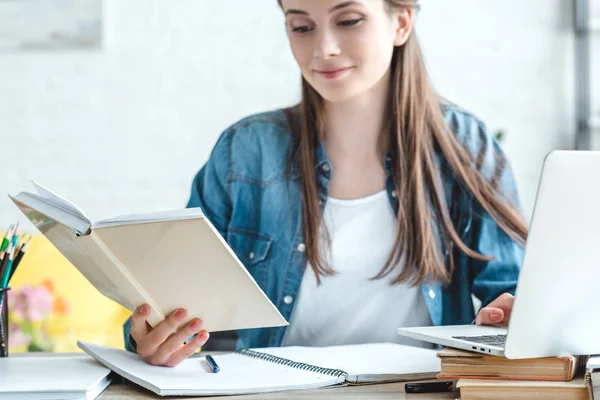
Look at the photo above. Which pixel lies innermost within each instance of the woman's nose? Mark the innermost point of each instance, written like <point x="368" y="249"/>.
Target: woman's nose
<point x="327" y="45"/>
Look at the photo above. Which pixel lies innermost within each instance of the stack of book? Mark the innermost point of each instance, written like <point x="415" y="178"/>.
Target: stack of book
<point x="593" y="373"/>
<point x="483" y="376"/>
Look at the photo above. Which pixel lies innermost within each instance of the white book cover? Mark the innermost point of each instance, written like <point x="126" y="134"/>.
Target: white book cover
<point x="52" y="377"/>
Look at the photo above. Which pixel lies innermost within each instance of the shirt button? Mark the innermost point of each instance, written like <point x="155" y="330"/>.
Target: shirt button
<point x="431" y="293"/>
<point x="326" y="167"/>
<point x="288" y="299"/>
<point x="394" y="194"/>
<point x="301" y="247"/>
<point x="251" y="255"/>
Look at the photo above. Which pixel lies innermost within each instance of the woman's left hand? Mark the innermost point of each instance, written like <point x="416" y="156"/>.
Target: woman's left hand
<point x="497" y="313"/>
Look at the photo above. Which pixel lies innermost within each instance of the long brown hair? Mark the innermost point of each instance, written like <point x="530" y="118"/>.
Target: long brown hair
<point x="417" y="131"/>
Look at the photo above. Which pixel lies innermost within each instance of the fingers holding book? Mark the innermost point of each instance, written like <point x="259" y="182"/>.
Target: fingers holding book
<point x="187" y="350"/>
<point x="139" y="326"/>
<point x="164" y="344"/>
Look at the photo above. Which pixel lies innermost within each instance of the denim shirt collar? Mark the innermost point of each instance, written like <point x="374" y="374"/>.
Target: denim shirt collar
<point x="321" y="156"/>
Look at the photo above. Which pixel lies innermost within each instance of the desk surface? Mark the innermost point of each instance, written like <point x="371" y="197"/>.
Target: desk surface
<point x="122" y="389"/>
<point x="130" y="391"/>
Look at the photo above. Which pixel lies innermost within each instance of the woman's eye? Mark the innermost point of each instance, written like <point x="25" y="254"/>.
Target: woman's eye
<point x="301" y="29"/>
<point x="350" y="22"/>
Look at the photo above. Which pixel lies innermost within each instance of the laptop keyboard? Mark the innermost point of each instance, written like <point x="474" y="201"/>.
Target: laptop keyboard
<point x="490" y="340"/>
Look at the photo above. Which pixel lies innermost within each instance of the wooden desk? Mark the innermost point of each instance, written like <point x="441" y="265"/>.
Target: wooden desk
<point x="130" y="391"/>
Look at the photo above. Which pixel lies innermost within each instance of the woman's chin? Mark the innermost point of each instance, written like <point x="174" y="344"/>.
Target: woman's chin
<point x="339" y="94"/>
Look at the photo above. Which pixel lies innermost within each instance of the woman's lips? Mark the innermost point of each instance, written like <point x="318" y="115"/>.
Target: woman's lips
<point x="333" y="73"/>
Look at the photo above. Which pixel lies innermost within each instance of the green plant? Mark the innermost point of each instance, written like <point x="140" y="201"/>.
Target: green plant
<point x="499" y="134"/>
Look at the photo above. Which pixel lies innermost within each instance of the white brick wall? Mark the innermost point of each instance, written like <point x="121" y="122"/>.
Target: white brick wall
<point x="512" y="64"/>
<point x="125" y="129"/>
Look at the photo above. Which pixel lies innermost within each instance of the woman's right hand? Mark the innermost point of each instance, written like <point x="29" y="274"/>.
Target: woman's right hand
<point x="164" y="344"/>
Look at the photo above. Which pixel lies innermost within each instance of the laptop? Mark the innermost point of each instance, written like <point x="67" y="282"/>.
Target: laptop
<point x="557" y="301"/>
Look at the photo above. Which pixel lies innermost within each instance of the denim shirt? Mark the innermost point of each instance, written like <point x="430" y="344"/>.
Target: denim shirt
<point x="246" y="191"/>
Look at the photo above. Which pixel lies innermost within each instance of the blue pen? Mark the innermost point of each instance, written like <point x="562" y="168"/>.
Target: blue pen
<point x="213" y="364"/>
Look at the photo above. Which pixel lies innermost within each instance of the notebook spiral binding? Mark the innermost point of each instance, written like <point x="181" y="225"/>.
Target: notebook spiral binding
<point x="293" y="364"/>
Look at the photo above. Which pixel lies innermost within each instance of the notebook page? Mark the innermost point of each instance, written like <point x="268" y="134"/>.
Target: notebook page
<point x="70" y="376"/>
<point x="239" y="374"/>
<point x="366" y="362"/>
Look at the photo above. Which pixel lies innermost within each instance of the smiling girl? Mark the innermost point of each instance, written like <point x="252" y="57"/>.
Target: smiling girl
<point x="371" y="205"/>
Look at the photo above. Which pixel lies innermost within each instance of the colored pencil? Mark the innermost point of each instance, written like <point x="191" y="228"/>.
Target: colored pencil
<point x="4" y="265"/>
<point x="7" y="238"/>
<point x="18" y="258"/>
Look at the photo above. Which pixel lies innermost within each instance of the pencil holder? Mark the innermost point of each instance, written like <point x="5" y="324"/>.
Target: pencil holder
<point x="4" y="322"/>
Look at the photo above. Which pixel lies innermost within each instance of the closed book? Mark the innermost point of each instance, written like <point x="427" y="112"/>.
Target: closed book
<point x="52" y="377"/>
<point x="578" y="388"/>
<point x="465" y="364"/>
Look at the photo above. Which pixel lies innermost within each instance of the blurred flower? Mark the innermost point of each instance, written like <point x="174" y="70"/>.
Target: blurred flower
<point x="48" y="284"/>
<point x="36" y="317"/>
<point x="32" y="303"/>
<point x="60" y="307"/>
<point x="17" y="305"/>
<point x="17" y="337"/>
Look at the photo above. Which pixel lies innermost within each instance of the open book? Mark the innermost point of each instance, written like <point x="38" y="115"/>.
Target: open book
<point x="273" y="369"/>
<point x="169" y="260"/>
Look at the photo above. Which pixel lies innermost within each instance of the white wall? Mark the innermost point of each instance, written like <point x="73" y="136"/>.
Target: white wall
<point x="512" y="64"/>
<point x="125" y="129"/>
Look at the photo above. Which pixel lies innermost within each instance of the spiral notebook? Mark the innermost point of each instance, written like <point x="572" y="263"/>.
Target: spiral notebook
<point x="273" y="369"/>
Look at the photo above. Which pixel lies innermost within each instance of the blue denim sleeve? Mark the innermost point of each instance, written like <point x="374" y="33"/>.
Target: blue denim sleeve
<point x="209" y="192"/>
<point x="210" y="185"/>
<point x="130" y="344"/>
<point x="500" y="275"/>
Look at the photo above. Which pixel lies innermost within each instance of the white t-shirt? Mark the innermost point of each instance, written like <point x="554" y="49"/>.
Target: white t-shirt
<point x="348" y="308"/>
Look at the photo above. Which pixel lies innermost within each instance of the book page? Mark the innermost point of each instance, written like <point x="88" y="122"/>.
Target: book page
<point x="366" y="362"/>
<point x="60" y="201"/>
<point x="79" y="251"/>
<point x="37" y="209"/>
<point x="238" y="374"/>
<point x="159" y="216"/>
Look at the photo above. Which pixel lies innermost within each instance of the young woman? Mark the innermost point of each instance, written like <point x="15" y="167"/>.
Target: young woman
<point x="370" y="206"/>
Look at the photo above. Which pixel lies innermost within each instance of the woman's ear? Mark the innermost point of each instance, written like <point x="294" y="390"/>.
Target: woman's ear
<point x="403" y="22"/>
